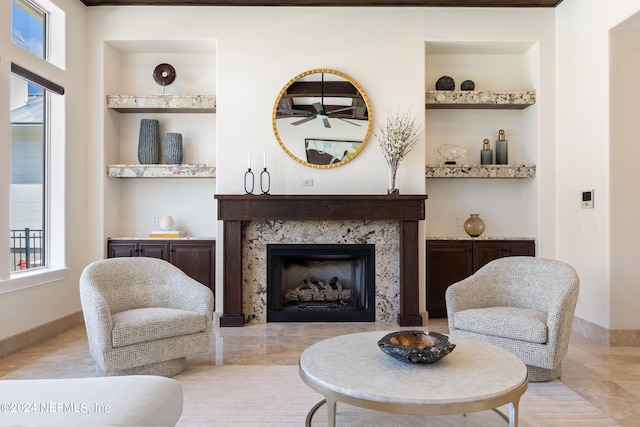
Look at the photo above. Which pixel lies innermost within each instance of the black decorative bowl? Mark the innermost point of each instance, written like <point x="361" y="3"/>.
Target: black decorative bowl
<point x="416" y="346"/>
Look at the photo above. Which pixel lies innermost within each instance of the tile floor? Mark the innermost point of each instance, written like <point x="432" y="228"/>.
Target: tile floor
<point x="608" y="377"/>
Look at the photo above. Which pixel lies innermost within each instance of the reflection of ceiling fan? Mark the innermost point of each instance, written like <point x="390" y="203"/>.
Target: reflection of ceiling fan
<point x="319" y="113"/>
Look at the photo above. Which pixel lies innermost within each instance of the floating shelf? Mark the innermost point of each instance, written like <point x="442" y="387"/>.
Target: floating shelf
<point x="161" y="171"/>
<point x="480" y="171"/>
<point x="447" y="99"/>
<point x="162" y="103"/>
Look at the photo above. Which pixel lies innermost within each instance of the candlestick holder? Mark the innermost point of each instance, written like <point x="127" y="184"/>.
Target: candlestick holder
<point x="265" y="176"/>
<point x="248" y="176"/>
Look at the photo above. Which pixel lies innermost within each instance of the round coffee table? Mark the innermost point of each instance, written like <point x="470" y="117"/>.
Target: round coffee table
<point x="352" y="369"/>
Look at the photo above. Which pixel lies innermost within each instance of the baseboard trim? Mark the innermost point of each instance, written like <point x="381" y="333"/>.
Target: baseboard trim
<point x="15" y="343"/>
<point x="604" y="336"/>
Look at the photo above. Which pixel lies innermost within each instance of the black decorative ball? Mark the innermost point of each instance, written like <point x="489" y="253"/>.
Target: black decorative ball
<point x="468" y="85"/>
<point x="445" y="83"/>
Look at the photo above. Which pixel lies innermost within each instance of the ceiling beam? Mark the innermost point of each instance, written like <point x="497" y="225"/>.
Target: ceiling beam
<point x="359" y="3"/>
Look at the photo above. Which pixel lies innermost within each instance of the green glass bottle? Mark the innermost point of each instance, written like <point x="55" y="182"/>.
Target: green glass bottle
<point x="486" y="154"/>
<point x="502" y="149"/>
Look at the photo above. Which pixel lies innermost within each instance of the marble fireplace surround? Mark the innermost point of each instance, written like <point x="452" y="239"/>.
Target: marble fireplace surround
<point x="333" y="211"/>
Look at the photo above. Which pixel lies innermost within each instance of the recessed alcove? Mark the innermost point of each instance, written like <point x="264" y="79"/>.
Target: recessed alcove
<point x="508" y="71"/>
<point x="186" y="106"/>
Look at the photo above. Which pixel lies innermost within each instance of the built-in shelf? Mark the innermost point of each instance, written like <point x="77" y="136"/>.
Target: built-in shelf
<point x="162" y="103"/>
<point x="161" y="171"/>
<point x="447" y="99"/>
<point x="480" y="171"/>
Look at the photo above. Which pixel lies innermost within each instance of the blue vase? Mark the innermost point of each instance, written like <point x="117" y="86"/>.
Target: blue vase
<point x="149" y="142"/>
<point x="173" y="151"/>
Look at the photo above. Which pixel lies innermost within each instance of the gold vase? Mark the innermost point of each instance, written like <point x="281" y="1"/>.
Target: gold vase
<point x="474" y="225"/>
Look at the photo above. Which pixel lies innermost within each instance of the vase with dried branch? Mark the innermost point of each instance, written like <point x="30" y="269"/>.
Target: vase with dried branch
<point x="397" y="136"/>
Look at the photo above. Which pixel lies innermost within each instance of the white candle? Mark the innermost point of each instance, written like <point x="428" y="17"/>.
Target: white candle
<point x="264" y="160"/>
<point x="249" y="161"/>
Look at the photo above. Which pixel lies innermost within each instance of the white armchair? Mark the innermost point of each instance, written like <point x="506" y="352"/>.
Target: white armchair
<point x="144" y="316"/>
<point x="522" y="304"/>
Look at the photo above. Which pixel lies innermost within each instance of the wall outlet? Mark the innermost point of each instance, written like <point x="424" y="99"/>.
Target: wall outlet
<point x="307" y="183"/>
<point x="155" y="220"/>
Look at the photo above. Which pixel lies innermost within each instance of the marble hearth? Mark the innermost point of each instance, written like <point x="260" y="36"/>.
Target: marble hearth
<point x="389" y="222"/>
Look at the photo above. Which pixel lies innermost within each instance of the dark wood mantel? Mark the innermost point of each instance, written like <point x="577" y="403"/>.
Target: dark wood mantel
<point x="407" y="209"/>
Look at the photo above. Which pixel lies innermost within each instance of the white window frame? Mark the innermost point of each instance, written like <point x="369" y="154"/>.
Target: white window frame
<point x="50" y="71"/>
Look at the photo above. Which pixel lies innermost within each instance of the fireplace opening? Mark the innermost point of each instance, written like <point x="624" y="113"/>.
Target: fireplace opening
<point x="320" y="283"/>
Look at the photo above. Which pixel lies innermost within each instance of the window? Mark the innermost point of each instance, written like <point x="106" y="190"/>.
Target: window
<point x="35" y="105"/>
<point x="28" y="29"/>
<point x="28" y="176"/>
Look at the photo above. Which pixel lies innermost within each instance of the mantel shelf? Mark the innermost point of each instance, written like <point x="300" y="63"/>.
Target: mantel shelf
<point x="161" y="171"/>
<point x="162" y="103"/>
<point x="480" y="171"/>
<point x="447" y="99"/>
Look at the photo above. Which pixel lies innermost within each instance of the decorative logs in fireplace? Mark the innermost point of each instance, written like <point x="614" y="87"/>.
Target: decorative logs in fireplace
<point x="318" y="291"/>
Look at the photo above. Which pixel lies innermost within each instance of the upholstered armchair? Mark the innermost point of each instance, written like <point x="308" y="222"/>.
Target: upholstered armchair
<point x="522" y="304"/>
<point x="144" y="316"/>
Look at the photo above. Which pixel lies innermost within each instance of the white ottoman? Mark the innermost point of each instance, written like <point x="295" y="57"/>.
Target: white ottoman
<point x="138" y="400"/>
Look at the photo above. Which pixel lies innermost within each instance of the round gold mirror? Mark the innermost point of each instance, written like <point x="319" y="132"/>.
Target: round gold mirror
<point x="322" y="118"/>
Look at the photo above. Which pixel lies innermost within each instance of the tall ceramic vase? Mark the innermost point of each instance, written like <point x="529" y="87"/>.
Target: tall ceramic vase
<point x="474" y="225"/>
<point x="149" y="142"/>
<point x="173" y="151"/>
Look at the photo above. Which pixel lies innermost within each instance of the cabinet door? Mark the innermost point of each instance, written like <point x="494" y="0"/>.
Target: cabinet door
<point x="154" y="250"/>
<point x="447" y="263"/>
<point x="117" y="249"/>
<point x="520" y="248"/>
<point x="485" y="252"/>
<point x="196" y="259"/>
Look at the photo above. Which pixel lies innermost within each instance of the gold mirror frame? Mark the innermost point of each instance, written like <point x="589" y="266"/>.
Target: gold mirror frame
<point x="285" y="108"/>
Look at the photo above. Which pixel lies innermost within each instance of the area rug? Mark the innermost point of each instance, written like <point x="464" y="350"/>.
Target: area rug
<point x="275" y="396"/>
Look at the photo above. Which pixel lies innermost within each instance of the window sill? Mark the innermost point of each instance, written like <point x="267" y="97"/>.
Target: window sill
<point x="29" y="279"/>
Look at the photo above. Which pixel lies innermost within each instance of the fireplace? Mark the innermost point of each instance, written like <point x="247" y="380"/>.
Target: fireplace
<point x="244" y="213"/>
<point x="320" y="283"/>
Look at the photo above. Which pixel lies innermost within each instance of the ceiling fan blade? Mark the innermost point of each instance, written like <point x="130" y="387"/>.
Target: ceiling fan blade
<point x="350" y="122"/>
<point x="318" y="106"/>
<point x="288" y="111"/>
<point x="306" y="119"/>
<point x="340" y="110"/>
<point x="325" y="120"/>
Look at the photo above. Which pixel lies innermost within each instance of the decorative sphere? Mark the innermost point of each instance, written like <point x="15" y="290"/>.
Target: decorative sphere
<point x="445" y="83"/>
<point x="468" y="85"/>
